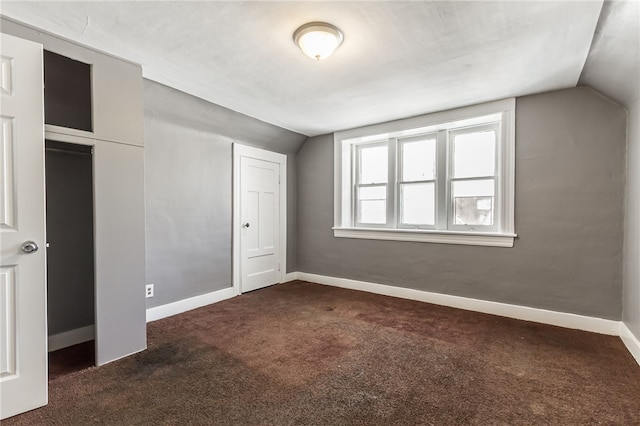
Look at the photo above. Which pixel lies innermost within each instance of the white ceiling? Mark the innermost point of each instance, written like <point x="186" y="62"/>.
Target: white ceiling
<point x="613" y="65"/>
<point x="399" y="59"/>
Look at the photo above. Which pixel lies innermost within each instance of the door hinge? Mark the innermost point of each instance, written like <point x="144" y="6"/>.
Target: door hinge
<point x="278" y="266"/>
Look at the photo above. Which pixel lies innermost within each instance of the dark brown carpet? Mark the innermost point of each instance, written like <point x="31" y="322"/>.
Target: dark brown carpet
<point x="306" y="354"/>
<point x="71" y="359"/>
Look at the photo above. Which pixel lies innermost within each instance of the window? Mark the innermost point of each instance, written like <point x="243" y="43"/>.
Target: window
<point x="371" y="184"/>
<point x="445" y="177"/>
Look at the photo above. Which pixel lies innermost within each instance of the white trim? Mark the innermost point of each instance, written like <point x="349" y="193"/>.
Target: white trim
<point x="291" y="276"/>
<point x="508" y="172"/>
<point x="428" y="236"/>
<point x="561" y="319"/>
<point x="239" y="151"/>
<point x="185" y="305"/>
<point x="235" y="259"/>
<point x="80" y="137"/>
<point x="71" y="337"/>
<point x="630" y="341"/>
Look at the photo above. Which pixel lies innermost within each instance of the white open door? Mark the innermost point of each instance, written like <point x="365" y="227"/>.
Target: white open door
<point x="260" y="225"/>
<point x="23" y="327"/>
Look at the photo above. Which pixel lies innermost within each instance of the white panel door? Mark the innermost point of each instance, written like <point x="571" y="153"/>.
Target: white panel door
<point x="23" y="327"/>
<point x="260" y="204"/>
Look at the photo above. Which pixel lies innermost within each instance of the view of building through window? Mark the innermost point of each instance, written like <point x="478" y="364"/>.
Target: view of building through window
<point x="473" y="181"/>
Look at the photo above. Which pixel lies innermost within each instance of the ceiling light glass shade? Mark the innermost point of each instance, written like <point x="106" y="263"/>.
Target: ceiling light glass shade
<point x="318" y="39"/>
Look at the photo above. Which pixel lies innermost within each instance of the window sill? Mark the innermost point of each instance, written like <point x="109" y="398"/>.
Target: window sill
<point x="440" y="237"/>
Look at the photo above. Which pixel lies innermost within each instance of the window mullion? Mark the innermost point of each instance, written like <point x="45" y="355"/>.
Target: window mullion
<point x="392" y="201"/>
<point x="471" y="178"/>
<point x="370" y="185"/>
<point x="354" y="183"/>
<point x="500" y="196"/>
<point x="355" y="167"/>
<point x="411" y="182"/>
<point x="442" y="181"/>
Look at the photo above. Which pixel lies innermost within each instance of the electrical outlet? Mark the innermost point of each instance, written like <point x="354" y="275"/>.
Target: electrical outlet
<point x="149" y="290"/>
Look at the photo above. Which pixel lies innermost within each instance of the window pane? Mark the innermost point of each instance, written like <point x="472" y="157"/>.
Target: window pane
<point x="418" y="204"/>
<point x="474" y="154"/>
<point x="372" y="205"/>
<point x="419" y="160"/>
<point x="373" y="164"/>
<point x="473" y="202"/>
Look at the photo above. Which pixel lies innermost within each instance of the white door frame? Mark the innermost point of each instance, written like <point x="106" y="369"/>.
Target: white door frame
<point x="239" y="151"/>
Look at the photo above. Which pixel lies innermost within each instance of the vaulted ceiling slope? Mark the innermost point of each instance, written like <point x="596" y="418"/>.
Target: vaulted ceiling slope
<point x="613" y="64"/>
<point x="399" y="59"/>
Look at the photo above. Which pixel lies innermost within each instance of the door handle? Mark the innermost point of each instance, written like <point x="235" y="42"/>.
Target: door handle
<point x="246" y="225"/>
<point x="29" y="247"/>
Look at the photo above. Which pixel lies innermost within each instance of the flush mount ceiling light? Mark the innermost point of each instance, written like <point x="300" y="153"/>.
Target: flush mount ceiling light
<point x="318" y="40"/>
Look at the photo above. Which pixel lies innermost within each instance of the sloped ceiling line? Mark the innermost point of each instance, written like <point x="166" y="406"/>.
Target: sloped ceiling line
<point x="613" y="64"/>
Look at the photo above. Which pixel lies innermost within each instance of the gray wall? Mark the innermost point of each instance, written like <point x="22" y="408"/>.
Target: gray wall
<point x="631" y="289"/>
<point x="188" y="190"/>
<point x="570" y="153"/>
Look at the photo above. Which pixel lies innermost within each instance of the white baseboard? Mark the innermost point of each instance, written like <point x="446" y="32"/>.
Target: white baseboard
<point x="561" y="319"/>
<point x="71" y="337"/>
<point x="291" y="276"/>
<point x="181" y="306"/>
<point x="170" y="309"/>
<point x="630" y="341"/>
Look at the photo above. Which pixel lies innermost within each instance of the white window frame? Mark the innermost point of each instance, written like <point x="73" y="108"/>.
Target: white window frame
<point x="356" y="148"/>
<point x="497" y="177"/>
<point x="443" y="124"/>
<point x="397" y="146"/>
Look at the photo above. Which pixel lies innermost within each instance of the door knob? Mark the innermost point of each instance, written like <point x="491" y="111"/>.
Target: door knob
<point x="246" y="225"/>
<point x="29" y="247"/>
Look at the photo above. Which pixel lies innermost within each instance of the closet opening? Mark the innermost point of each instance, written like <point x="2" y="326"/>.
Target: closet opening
<point x="70" y="257"/>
